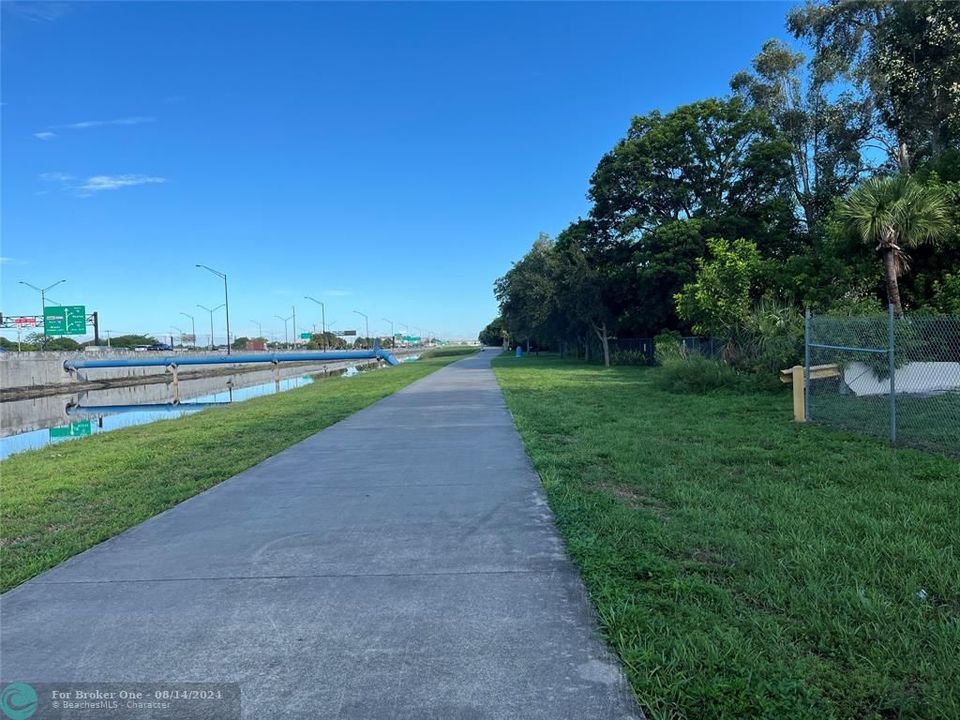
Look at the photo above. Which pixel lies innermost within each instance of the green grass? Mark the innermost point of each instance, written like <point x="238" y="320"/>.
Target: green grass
<point x="447" y="351"/>
<point x="923" y="421"/>
<point x="743" y="566"/>
<point x="64" y="498"/>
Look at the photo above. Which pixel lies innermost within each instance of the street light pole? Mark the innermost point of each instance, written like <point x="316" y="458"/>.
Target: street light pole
<point x="193" y="329"/>
<point x="259" y="328"/>
<point x="294" y="316"/>
<point x="286" y="338"/>
<point x="226" y="298"/>
<point x="43" y="295"/>
<point x="323" y="319"/>
<point x="212" y="311"/>
<point x="367" y="324"/>
<point x="393" y="338"/>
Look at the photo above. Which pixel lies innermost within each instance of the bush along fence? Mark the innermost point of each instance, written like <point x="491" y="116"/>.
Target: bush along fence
<point x="895" y="378"/>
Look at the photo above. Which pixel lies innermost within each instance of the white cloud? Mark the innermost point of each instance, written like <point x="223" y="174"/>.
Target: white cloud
<point x="97" y="183"/>
<point x="56" y="177"/>
<point x="132" y="120"/>
<point x="38" y="11"/>
<point x="129" y="120"/>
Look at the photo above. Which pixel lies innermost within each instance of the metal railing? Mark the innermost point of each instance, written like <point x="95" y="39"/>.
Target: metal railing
<point x="241" y="359"/>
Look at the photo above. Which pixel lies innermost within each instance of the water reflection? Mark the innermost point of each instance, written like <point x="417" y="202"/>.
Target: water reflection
<point x="34" y="423"/>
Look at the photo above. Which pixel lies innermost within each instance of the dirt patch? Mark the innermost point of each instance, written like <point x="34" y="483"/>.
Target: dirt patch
<point x="711" y="557"/>
<point x="634" y="497"/>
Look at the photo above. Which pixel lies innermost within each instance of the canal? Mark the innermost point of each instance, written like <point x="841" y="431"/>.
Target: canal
<point x="36" y="422"/>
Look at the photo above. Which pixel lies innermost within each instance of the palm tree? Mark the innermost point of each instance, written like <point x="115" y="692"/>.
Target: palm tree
<point x="896" y="213"/>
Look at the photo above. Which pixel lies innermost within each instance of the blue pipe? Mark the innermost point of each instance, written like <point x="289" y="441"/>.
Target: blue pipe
<point x="83" y="410"/>
<point x="180" y="360"/>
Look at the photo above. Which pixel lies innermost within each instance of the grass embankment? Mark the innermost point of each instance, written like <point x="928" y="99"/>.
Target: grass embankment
<point x="743" y="566"/>
<point x="64" y="498"/>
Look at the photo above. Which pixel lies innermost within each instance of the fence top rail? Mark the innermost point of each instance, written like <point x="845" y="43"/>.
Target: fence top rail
<point x="851" y="349"/>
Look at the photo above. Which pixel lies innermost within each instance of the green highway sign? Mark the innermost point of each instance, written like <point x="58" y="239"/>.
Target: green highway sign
<point x="306" y="336"/>
<point x="77" y="429"/>
<point x="65" y="320"/>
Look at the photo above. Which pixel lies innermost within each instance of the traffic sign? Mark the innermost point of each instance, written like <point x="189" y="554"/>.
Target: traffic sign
<point x="306" y="336"/>
<point x="65" y="320"/>
<point x="77" y="429"/>
<point x="342" y="333"/>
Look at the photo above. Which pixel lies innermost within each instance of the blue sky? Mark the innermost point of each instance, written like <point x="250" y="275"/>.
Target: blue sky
<point x="389" y="158"/>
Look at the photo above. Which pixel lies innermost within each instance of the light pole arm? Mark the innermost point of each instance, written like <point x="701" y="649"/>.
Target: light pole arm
<point x="226" y="297"/>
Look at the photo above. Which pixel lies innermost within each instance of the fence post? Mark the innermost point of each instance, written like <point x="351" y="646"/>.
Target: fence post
<point x="806" y="366"/>
<point x="892" y="357"/>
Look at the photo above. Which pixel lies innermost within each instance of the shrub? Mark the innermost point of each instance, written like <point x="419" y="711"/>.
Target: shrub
<point x="771" y="338"/>
<point x="629" y="357"/>
<point x="667" y="346"/>
<point x="696" y="375"/>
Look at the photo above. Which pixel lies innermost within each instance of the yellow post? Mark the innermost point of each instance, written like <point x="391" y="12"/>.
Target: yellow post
<point x="799" y="407"/>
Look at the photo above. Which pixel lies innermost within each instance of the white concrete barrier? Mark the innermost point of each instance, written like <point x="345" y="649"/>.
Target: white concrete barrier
<point x="914" y="377"/>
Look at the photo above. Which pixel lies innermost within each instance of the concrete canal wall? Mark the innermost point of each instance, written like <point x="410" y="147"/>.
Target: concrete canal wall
<point x="45" y="369"/>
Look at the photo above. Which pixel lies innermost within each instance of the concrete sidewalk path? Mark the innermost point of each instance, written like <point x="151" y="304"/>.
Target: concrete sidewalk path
<point x="400" y="564"/>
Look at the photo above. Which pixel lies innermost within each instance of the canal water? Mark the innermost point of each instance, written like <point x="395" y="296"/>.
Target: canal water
<point x="34" y="423"/>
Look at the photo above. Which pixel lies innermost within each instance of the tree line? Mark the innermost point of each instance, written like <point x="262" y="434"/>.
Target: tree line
<point x="827" y="179"/>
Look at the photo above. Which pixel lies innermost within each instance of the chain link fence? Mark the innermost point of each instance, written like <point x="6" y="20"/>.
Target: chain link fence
<point x="895" y="378"/>
<point x="708" y="347"/>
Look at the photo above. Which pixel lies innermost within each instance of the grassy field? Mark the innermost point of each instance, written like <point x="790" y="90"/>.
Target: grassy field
<point x="61" y="499"/>
<point x="743" y="566"/>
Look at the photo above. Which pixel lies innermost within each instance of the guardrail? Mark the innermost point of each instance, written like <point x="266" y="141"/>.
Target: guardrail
<point x="174" y="362"/>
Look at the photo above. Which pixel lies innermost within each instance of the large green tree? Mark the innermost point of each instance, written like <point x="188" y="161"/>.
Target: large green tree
<point x="826" y="134"/>
<point x="663" y="260"/>
<point x="905" y="58"/>
<point x="527" y="294"/>
<point x="591" y="278"/>
<point x="713" y="159"/>
<point x="493" y="333"/>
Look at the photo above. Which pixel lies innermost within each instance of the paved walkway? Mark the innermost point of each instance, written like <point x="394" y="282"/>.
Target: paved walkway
<point x="400" y="564"/>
